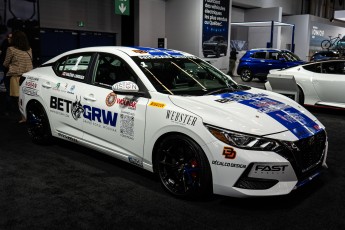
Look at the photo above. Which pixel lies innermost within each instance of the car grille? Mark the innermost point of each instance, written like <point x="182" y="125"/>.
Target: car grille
<point x="305" y="154"/>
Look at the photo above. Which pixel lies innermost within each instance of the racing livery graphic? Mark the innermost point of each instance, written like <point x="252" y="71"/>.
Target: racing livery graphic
<point x="175" y="115"/>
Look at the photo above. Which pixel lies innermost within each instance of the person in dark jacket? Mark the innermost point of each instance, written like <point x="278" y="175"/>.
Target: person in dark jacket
<point x="233" y="58"/>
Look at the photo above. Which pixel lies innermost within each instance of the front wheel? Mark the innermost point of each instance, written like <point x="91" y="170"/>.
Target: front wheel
<point x="246" y="75"/>
<point x="183" y="167"/>
<point x="38" y="124"/>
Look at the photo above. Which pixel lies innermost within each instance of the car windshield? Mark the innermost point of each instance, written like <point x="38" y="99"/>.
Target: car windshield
<point x="289" y="56"/>
<point x="184" y="75"/>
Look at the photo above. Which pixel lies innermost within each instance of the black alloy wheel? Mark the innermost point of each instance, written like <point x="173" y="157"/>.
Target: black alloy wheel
<point x="38" y="124"/>
<point x="246" y="75"/>
<point x="183" y="167"/>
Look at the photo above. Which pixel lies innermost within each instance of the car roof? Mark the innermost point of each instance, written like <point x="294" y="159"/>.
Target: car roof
<point x="268" y="49"/>
<point x="129" y="50"/>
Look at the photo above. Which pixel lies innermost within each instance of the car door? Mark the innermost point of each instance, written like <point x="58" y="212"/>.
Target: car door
<point x="62" y="94"/>
<point x="113" y="121"/>
<point x="330" y="84"/>
<point x="258" y="62"/>
<point x="275" y="61"/>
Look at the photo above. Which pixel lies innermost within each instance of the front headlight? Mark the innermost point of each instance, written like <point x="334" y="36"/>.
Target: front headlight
<point x="243" y="141"/>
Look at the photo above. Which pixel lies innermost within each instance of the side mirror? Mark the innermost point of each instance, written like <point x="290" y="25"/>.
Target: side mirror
<point x="125" y="87"/>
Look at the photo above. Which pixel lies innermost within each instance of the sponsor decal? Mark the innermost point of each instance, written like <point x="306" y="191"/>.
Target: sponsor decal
<point x="270" y="168"/>
<point x="77" y="110"/>
<point x="129" y="103"/>
<point x="127" y="125"/>
<point x="139" y="51"/>
<point x="229" y="153"/>
<point x="30" y="91"/>
<point x="33" y="78"/>
<point x="110" y="99"/>
<point x="31" y="84"/>
<point x="228" y="164"/>
<point x="294" y="120"/>
<point x="73" y="75"/>
<point x="135" y="161"/>
<point x="71" y="89"/>
<point x="125" y="85"/>
<point x="157" y="104"/>
<point x="181" y="118"/>
<point x="68" y="137"/>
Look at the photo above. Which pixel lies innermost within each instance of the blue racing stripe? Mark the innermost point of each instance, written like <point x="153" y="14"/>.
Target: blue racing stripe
<point x="294" y="120"/>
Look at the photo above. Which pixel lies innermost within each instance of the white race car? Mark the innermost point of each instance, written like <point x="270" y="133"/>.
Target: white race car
<point x="174" y="114"/>
<point x="319" y="83"/>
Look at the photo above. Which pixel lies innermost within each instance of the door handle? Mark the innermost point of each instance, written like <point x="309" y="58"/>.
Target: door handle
<point x="46" y="85"/>
<point x="90" y="97"/>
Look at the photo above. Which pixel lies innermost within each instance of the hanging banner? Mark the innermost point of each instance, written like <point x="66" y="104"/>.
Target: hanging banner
<point x="215" y="28"/>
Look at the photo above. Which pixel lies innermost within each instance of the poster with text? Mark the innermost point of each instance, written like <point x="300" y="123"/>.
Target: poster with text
<point x="215" y="28"/>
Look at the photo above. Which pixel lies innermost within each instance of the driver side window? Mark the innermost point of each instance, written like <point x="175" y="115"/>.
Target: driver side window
<point x="111" y="69"/>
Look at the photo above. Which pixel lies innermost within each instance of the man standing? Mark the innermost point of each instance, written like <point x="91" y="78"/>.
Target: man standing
<point x="233" y="58"/>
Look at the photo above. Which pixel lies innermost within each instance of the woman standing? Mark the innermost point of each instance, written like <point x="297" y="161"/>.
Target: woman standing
<point x="18" y="60"/>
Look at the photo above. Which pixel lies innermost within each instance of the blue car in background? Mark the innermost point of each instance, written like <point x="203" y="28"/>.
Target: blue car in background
<point x="256" y="63"/>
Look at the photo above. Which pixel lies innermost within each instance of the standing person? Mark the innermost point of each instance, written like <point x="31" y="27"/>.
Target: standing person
<point x="4" y="45"/>
<point x="233" y="58"/>
<point x="18" y="60"/>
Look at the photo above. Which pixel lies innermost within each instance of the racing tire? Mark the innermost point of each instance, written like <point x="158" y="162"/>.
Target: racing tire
<point x="38" y="124"/>
<point x="246" y="75"/>
<point x="326" y="44"/>
<point x="183" y="168"/>
<point x="300" y="96"/>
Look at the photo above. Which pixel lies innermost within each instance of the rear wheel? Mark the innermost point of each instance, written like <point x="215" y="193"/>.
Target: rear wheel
<point x="246" y="75"/>
<point x="183" y="167"/>
<point x="38" y="123"/>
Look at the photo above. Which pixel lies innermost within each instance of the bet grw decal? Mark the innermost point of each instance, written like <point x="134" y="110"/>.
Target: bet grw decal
<point x="90" y="113"/>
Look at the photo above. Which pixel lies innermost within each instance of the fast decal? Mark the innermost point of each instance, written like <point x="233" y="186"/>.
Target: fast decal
<point x="77" y="110"/>
<point x="270" y="168"/>
<point x="157" y="104"/>
<point x="229" y="153"/>
<point x="295" y="121"/>
<point x="181" y="118"/>
<point x="228" y="164"/>
<point x="127" y="125"/>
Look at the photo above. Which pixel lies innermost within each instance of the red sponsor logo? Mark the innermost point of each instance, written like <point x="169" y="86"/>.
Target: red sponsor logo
<point x="229" y="153"/>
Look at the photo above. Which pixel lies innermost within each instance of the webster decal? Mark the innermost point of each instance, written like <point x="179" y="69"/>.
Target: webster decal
<point x="181" y="118"/>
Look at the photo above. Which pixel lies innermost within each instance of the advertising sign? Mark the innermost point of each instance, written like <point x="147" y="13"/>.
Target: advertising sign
<point x="215" y="28"/>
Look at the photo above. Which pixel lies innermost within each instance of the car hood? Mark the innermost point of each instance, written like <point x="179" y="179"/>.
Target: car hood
<point x="254" y="111"/>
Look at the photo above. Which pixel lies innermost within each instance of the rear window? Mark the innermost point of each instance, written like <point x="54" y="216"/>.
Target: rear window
<point x="259" y="55"/>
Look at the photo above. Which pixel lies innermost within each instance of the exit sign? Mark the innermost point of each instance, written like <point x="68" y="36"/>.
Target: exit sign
<point x="122" y="7"/>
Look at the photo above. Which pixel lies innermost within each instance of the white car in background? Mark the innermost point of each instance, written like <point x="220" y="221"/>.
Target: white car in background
<point x="174" y="114"/>
<point x="319" y="83"/>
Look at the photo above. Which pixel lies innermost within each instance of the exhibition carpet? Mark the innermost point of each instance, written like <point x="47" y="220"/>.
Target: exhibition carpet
<point x="65" y="186"/>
